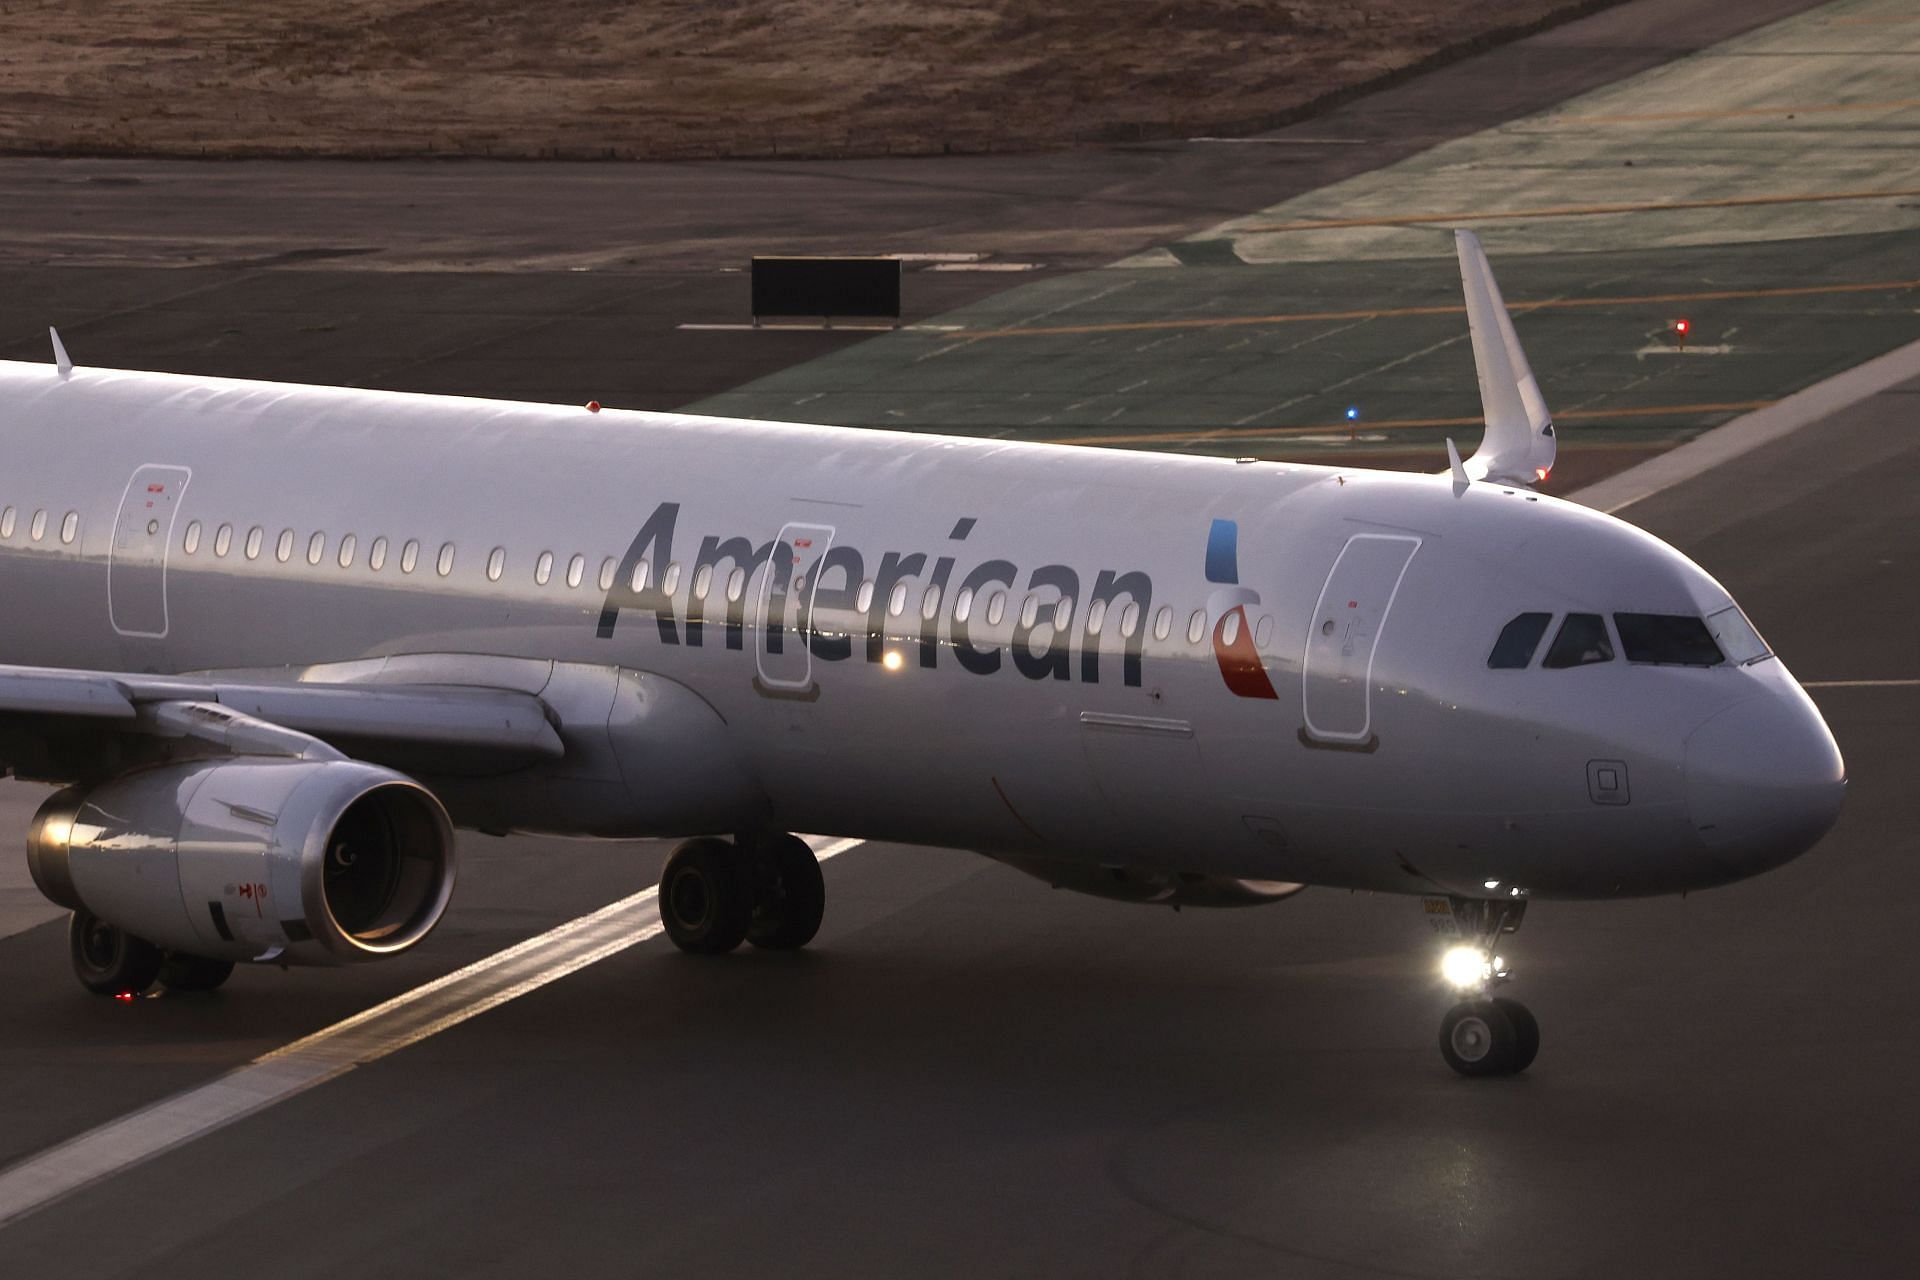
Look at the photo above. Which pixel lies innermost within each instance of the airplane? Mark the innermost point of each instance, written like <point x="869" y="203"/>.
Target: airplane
<point x="279" y="641"/>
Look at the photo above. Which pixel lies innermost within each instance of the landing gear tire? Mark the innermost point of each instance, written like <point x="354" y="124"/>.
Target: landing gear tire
<point x="1489" y="1037"/>
<point x="180" y="972"/>
<point x="1526" y="1032"/>
<point x="706" y="897"/>
<point x="789" y="895"/>
<point x="109" y="961"/>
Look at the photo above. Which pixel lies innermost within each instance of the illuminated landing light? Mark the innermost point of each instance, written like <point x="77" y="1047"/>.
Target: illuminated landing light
<point x="893" y="661"/>
<point x="1491" y="884"/>
<point x="1540" y="473"/>
<point x="1465" y="967"/>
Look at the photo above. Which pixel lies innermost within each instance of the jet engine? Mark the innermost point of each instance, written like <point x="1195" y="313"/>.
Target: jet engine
<point x="1153" y="886"/>
<point x="244" y="858"/>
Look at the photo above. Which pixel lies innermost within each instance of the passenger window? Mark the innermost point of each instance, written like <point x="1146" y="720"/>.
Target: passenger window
<point x="1582" y="640"/>
<point x="1163" y="622"/>
<point x="640" y="573"/>
<point x="670" y="583"/>
<point x="223" y="540"/>
<point x="444" y="565"/>
<point x="38" y="529"/>
<point x="1263" y="633"/>
<point x="863" y="598"/>
<point x="1029" y="611"/>
<point x="255" y="536"/>
<point x="6" y="523"/>
<point x="1196" y="626"/>
<point x="608" y="568"/>
<point x="702" y="581"/>
<point x="377" y="555"/>
<point x="497" y="564"/>
<point x="1671" y="639"/>
<point x="996" y="608"/>
<point x="70" y="527"/>
<point x="543" y="568"/>
<point x="1096" y="614"/>
<point x="576" y="570"/>
<point x="347" y="545"/>
<point x="409" y="556"/>
<point x="1736" y="637"/>
<point x="283" y="550"/>
<point x="1518" y="639"/>
<point x="1063" y="614"/>
<point x="963" y="604"/>
<point x="1129" y="620"/>
<point x="897" y="600"/>
<point x="191" y="543"/>
<point x="930" y="604"/>
<point x="1230" y="630"/>
<point x="316" y="548"/>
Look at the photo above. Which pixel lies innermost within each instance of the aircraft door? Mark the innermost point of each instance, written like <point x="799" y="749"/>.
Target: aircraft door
<point x="785" y="603"/>
<point x="1336" y="674"/>
<point x="137" y="564"/>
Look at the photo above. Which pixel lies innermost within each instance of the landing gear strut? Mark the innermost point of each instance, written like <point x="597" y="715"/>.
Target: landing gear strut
<point x="1484" y="1034"/>
<point x="764" y="889"/>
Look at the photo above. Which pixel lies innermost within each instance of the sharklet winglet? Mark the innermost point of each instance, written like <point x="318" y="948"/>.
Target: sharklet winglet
<point x="61" y="359"/>
<point x="1519" y="447"/>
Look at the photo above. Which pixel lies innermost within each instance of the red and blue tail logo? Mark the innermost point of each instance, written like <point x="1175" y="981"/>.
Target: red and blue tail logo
<point x="1233" y="645"/>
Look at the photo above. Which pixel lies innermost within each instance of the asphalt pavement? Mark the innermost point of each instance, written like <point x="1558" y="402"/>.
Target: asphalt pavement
<point x="969" y="1073"/>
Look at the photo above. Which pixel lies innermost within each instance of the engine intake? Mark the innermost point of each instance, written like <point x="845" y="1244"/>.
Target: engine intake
<point x="311" y="862"/>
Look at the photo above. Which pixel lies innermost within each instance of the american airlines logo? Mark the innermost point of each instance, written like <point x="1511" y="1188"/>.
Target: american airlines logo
<point x="803" y="583"/>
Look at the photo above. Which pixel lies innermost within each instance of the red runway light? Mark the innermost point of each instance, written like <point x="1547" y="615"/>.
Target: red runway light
<point x="1681" y="326"/>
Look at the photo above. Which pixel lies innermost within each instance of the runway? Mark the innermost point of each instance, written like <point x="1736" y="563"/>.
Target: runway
<point x="970" y="1074"/>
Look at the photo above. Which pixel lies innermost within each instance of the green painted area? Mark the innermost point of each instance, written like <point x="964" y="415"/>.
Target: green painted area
<point x="1249" y="340"/>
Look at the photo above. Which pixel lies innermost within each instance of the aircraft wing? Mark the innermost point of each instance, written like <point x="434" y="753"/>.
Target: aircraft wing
<point x="445" y="730"/>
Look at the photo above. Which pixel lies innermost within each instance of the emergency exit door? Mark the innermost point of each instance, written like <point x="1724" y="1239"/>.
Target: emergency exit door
<point x="1337" y="673"/>
<point x="137" y="565"/>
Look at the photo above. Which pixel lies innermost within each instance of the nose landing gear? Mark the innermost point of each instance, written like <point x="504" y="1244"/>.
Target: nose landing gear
<point x="1484" y="1034"/>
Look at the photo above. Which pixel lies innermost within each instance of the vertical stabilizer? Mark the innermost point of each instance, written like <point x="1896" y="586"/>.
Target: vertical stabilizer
<point x="1519" y="445"/>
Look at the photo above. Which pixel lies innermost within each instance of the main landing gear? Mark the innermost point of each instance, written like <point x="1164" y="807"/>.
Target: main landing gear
<point x="1483" y="1035"/>
<point x="109" y="961"/>
<point x="764" y="889"/>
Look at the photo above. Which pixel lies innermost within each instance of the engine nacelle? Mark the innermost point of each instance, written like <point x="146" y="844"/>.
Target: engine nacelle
<point x="307" y="862"/>
<point x="1153" y="886"/>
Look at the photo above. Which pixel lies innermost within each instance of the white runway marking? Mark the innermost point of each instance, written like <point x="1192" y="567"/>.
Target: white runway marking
<point x="366" y="1037"/>
<point x="1860" y="684"/>
<point x="1750" y="431"/>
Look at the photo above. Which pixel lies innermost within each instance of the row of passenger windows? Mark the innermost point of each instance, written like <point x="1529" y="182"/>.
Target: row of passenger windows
<point x="1660" y="639"/>
<point x="992" y="608"/>
<point x="37" y="525"/>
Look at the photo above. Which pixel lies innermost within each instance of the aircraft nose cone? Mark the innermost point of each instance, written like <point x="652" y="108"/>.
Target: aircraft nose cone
<point x="1764" y="781"/>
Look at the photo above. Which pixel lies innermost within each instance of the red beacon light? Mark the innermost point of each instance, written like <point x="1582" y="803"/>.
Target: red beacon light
<point x="1681" y="328"/>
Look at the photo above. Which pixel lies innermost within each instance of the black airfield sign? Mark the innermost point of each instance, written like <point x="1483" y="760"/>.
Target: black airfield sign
<point x="833" y="288"/>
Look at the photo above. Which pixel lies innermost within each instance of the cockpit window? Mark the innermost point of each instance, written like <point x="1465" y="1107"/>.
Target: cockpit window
<point x="1518" y="639"/>
<point x="1736" y="636"/>
<point x="1671" y="638"/>
<point x="1582" y="639"/>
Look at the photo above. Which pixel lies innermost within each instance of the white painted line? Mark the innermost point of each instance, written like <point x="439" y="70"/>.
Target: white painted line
<point x="366" y="1037"/>
<point x="1860" y="684"/>
<point x="937" y="257"/>
<point x="987" y="266"/>
<point x="1749" y="431"/>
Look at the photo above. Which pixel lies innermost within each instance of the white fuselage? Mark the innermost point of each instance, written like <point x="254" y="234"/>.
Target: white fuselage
<point x="1066" y="657"/>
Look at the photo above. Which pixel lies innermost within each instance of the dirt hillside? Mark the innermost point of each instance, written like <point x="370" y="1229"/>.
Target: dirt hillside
<point x="676" y="78"/>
